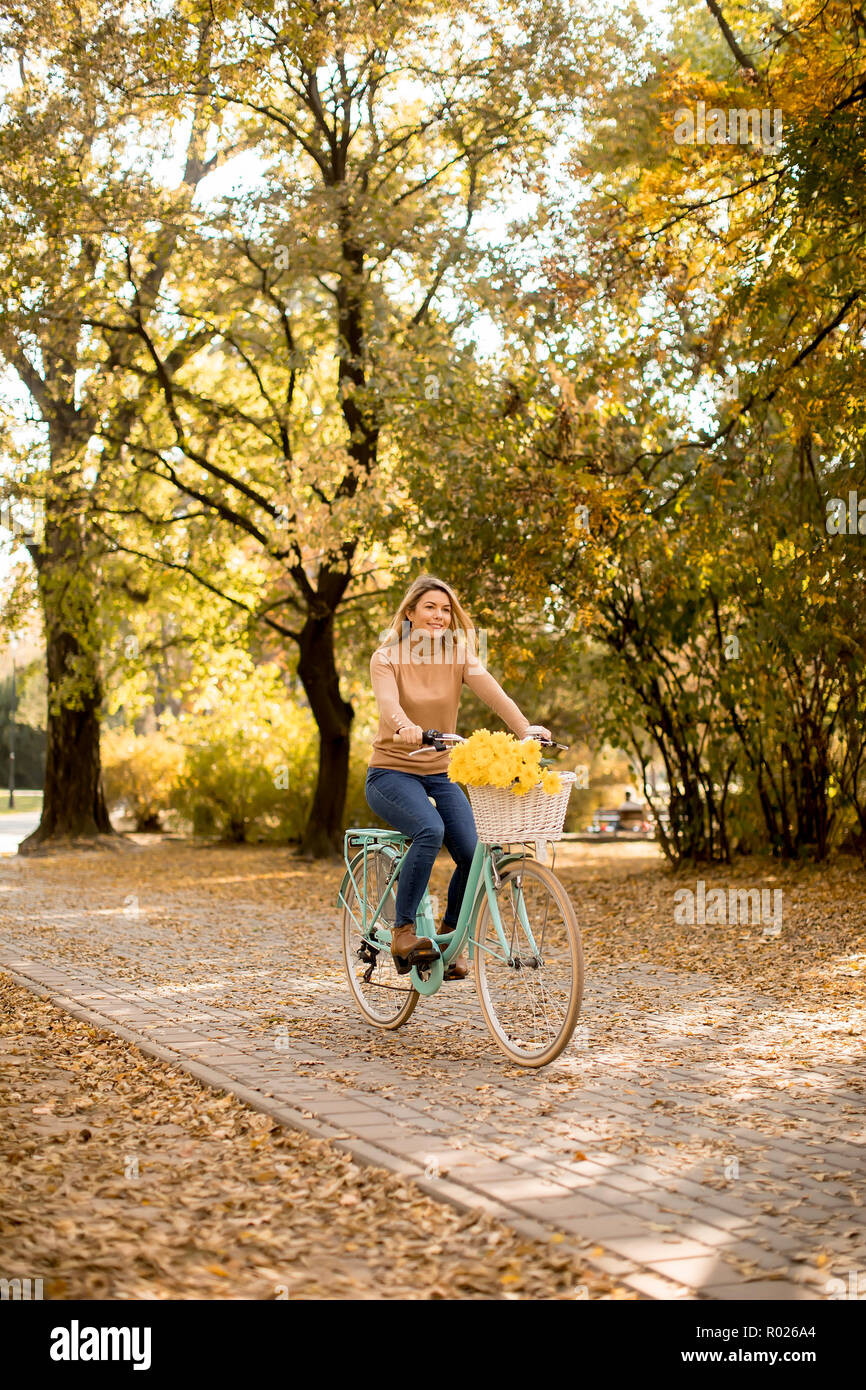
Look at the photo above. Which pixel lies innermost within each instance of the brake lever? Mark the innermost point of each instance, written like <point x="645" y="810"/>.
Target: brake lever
<point x="436" y="742"/>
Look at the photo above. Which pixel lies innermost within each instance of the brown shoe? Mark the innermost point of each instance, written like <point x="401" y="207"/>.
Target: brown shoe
<point x="409" y="949"/>
<point x="459" y="967"/>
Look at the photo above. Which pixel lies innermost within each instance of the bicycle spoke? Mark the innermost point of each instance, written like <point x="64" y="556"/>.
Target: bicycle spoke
<point x="385" y="998"/>
<point x="530" y="995"/>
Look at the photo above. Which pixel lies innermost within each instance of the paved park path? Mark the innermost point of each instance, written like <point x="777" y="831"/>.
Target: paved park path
<point x="14" y="827"/>
<point x="696" y="1140"/>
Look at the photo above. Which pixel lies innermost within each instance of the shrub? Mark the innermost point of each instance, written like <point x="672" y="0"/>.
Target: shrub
<point x="250" y="760"/>
<point x="140" y="774"/>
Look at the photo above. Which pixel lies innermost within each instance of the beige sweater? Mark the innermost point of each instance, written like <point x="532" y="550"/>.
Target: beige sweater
<point x="428" y="693"/>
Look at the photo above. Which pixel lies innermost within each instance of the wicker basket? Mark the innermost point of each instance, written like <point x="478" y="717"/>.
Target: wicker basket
<point x="502" y="817"/>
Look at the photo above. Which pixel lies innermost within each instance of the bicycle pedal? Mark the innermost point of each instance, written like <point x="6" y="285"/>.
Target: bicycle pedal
<point x="404" y="964"/>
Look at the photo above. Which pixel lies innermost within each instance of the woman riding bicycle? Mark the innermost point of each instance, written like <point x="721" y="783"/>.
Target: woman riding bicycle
<point x="418" y="671"/>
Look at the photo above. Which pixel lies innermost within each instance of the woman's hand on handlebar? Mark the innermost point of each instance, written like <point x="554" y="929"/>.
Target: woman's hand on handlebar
<point x="538" y="731"/>
<point x="410" y="734"/>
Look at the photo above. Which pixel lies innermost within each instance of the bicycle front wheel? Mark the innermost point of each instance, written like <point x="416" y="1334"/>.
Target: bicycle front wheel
<point x="385" y="998"/>
<point x="530" y="990"/>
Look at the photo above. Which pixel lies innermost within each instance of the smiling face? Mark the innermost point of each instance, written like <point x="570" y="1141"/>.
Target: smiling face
<point x="432" y="612"/>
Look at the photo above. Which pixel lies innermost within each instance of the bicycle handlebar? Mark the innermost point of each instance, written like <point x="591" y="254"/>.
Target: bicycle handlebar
<point x="432" y="738"/>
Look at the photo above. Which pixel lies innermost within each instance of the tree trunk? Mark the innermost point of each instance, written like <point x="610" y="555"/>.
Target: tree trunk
<point x="73" y="805"/>
<point x="317" y="668"/>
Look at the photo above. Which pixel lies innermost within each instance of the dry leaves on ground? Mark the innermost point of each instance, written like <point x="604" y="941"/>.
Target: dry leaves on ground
<point x="124" y="1178"/>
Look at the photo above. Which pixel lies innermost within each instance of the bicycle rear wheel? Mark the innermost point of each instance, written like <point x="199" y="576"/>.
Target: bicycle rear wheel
<point x="385" y="998"/>
<point x="530" y="996"/>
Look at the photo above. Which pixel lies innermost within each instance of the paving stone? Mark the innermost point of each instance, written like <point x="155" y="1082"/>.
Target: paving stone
<point x="755" y="1254"/>
<point x="475" y="1159"/>
<point x="604" y="1229"/>
<point x="374" y="1120"/>
<point x="589" y="1169"/>
<point x="653" y="1285"/>
<point x="671" y="1203"/>
<point x="540" y="1166"/>
<point x="426" y="1126"/>
<point x="769" y="1290"/>
<point x="477" y="1175"/>
<point x="499" y="1150"/>
<point x="624" y="1183"/>
<point x="708" y="1195"/>
<point x="574" y="1182"/>
<point x="579" y="1171"/>
<point x="645" y="1170"/>
<point x="702" y="1271"/>
<point x="814" y="1214"/>
<point x="412" y="1144"/>
<point x="647" y="1249"/>
<point x="614" y="1265"/>
<point x="572" y="1208"/>
<point x="708" y="1234"/>
<point x="373" y="1133"/>
<point x="232" y="1061"/>
<point x="613" y="1196"/>
<point x="523" y="1189"/>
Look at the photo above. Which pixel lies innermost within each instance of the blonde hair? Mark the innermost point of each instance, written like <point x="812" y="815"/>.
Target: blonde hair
<point x="460" y="623"/>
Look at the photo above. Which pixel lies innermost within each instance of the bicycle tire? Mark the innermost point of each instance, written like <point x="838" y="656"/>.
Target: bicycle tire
<point x="389" y="988"/>
<point x="508" y="1009"/>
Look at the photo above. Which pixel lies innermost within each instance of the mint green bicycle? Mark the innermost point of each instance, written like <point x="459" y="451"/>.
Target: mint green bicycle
<point x="516" y="916"/>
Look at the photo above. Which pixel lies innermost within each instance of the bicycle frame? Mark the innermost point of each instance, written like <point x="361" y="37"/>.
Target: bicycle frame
<point x="480" y="884"/>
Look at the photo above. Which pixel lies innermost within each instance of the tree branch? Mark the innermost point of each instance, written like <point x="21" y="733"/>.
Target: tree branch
<point x="742" y="61"/>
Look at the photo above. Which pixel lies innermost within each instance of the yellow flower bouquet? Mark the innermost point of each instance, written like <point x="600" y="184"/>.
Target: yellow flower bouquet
<point x="500" y="760"/>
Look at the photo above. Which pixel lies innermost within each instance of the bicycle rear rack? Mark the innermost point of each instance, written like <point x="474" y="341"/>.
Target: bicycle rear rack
<point x="358" y="838"/>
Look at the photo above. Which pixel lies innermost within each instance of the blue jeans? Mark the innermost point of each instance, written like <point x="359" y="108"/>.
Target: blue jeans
<point x="400" y="798"/>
